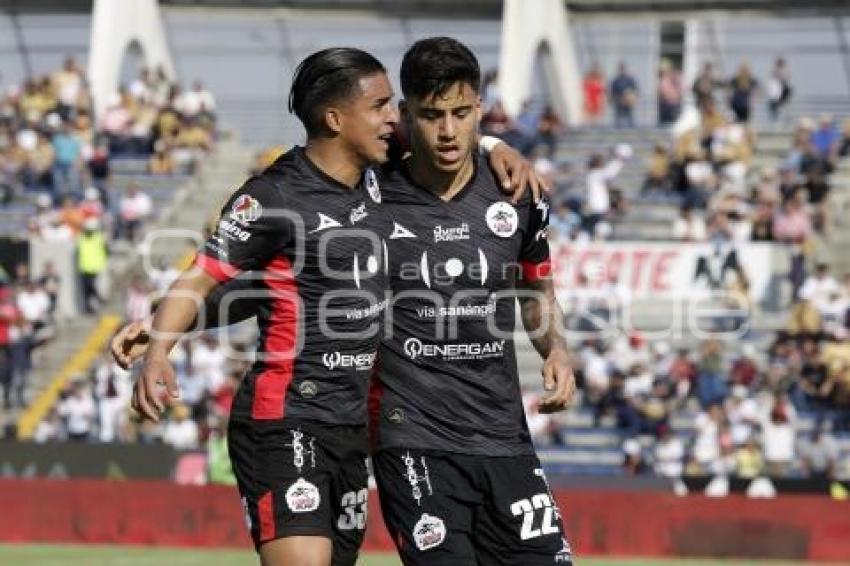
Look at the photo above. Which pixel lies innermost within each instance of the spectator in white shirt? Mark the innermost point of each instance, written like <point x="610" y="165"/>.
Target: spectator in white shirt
<point x="779" y="435"/>
<point x="630" y="350"/>
<point x="819" y="288"/>
<point x="597" y="203"/>
<point x="162" y="276"/>
<point x="208" y="362"/>
<point x="833" y="314"/>
<point x="778" y="88"/>
<point x="617" y="297"/>
<point x="597" y="372"/>
<point x="78" y="411"/>
<point x="116" y="118"/>
<point x="135" y="208"/>
<point x="49" y="429"/>
<point x="69" y="83"/>
<point x="142" y="88"/>
<point x="196" y="101"/>
<point x="57" y="231"/>
<point x="669" y="454"/>
<point x="181" y="432"/>
<point x="33" y="330"/>
<point x="638" y="382"/>
<point x="706" y="449"/>
<point x="113" y="388"/>
<point x="34" y="304"/>
<point x="743" y="413"/>
<point x="138" y="305"/>
<point x="662" y="359"/>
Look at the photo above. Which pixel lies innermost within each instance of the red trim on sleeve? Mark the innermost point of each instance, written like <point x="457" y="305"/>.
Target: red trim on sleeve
<point x="221" y="271"/>
<point x="280" y="344"/>
<point x="532" y="271"/>
<point x="265" y="510"/>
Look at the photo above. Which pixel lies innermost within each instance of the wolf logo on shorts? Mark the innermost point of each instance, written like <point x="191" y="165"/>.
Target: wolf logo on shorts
<point x="303" y="497"/>
<point x="429" y="532"/>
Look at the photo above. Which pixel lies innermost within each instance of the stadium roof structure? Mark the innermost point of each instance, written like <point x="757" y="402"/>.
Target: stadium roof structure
<point x="478" y="8"/>
<point x="495" y="5"/>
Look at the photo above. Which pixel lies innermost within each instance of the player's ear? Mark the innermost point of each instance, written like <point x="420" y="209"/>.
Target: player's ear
<point x="333" y="119"/>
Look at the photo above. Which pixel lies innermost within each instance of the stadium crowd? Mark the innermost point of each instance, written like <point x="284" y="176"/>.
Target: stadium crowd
<point x="707" y="165"/>
<point x="54" y="159"/>
<point x="96" y="407"/>
<point x="53" y="154"/>
<point x="745" y="406"/>
<point x="50" y="144"/>
<point x="27" y="322"/>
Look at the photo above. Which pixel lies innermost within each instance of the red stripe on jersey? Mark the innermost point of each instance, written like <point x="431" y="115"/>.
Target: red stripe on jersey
<point x="265" y="509"/>
<point x="280" y="342"/>
<point x="221" y="271"/>
<point x="532" y="271"/>
<point x="376" y="394"/>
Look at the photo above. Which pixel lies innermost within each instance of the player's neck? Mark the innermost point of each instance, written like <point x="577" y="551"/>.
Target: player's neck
<point x="444" y="185"/>
<point x="334" y="161"/>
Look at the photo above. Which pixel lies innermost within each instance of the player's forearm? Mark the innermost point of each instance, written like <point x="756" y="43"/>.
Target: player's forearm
<point x="215" y="312"/>
<point x="542" y="317"/>
<point x="178" y="309"/>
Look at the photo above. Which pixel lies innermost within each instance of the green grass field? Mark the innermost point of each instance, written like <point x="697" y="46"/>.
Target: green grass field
<point x="68" y="555"/>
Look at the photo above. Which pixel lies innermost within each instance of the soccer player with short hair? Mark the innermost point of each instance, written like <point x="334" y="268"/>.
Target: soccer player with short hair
<point x="457" y="474"/>
<point x="297" y="433"/>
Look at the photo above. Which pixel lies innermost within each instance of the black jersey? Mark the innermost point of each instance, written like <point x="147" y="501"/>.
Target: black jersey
<point x="447" y="378"/>
<point x="314" y="252"/>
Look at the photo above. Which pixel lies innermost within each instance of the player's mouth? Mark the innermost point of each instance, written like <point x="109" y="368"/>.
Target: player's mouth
<point x="448" y="153"/>
<point x="385" y="139"/>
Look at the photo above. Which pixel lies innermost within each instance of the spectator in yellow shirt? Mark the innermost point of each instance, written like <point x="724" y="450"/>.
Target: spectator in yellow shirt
<point x="749" y="460"/>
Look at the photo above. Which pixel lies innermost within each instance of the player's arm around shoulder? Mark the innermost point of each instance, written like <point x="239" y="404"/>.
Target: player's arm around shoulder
<point x="514" y="173"/>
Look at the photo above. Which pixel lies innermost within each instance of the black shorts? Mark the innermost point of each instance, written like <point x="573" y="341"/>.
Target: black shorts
<point x="301" y="479"/>
<point x="460" y="510"/>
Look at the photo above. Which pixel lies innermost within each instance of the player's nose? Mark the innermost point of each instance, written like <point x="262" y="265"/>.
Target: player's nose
<point x="392" y="116"/>
<point x="448" y="128"/>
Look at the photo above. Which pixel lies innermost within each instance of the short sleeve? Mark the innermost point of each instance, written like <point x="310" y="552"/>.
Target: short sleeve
<point x="534" y="256"/>
<point x="253" y="227"/>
